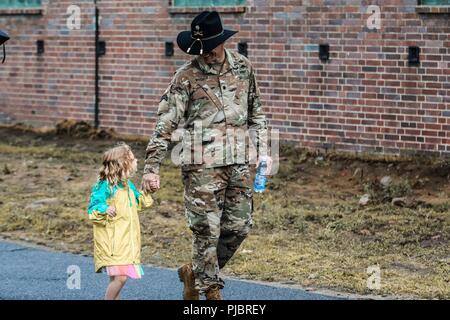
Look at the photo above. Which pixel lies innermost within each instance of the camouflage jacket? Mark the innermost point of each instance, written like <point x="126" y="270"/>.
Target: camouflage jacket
<point x="218" y="111"/>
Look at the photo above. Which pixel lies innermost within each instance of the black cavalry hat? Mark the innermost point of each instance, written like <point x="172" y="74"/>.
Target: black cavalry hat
<point x="206" y="34"/>
<point x="3" y="38"/>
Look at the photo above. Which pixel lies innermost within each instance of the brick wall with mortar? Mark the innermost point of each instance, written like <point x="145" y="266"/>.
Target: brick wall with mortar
<point x="365" y="98"/>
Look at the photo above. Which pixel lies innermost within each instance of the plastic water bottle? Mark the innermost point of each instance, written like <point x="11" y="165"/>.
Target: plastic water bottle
<point x="261" y="178"/>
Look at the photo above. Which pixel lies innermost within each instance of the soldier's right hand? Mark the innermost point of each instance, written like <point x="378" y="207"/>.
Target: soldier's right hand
<point x="150" y="182"/>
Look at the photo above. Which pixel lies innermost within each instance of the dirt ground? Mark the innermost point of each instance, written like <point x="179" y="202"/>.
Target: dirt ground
<point x="310" y="227"/>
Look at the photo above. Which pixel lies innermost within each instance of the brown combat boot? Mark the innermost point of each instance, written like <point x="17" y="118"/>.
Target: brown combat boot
<point x="213" y="293"/>
<point x="186" y="276"/>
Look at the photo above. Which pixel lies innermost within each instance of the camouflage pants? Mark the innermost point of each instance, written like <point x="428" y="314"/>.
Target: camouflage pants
<point x="218" y="205"/>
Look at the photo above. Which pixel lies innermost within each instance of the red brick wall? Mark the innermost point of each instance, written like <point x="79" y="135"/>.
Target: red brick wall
<point x="59" y="84"/>
<point x="366" y="98"/>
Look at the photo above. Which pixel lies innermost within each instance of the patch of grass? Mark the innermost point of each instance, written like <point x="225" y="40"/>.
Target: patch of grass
<point x="45" y="152"/>
<point x="380" y="194"/>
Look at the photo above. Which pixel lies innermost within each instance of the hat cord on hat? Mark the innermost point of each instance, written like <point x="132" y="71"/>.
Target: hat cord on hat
<point x="201" y="43"/>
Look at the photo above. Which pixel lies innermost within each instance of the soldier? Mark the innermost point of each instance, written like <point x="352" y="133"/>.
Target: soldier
<point x="215" y="94"/>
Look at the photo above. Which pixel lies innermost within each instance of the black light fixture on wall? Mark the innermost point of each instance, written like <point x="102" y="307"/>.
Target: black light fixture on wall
<point x="169" y="51"/>
<point x="101" y="48"/>
<point x="40" y="47"/>
<point x="414" y="55"/>
<point x="324" y="52"/>
<point x="3" y="38"/>
<point x="243" y="48"/>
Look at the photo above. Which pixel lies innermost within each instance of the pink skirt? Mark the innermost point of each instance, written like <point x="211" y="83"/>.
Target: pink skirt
<point x="134" y="271"/>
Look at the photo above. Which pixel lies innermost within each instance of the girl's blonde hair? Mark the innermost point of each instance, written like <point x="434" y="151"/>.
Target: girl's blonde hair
<point x="117" y="164"/>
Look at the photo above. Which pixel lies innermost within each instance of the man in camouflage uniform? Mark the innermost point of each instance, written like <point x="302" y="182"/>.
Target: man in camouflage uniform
<point x="215" y="95"/>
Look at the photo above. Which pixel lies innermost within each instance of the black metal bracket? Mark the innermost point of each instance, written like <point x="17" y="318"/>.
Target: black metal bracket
<point x="169" y="51"/>
<point x="414" y="56"/>
<point x="324" y="52"/>
<point x="101" y="48"/>
<point x="40" y="47"/>
<point x="243" y="48"/>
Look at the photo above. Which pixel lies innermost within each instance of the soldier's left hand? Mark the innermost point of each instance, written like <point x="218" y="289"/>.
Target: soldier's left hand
<point x="150" y="182"/>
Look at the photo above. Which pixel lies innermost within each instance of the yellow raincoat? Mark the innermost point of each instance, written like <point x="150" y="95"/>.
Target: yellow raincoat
<point x="117" y="241"/>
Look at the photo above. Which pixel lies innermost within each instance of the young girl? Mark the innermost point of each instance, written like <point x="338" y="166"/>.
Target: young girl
<point x="113" y="209"/>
